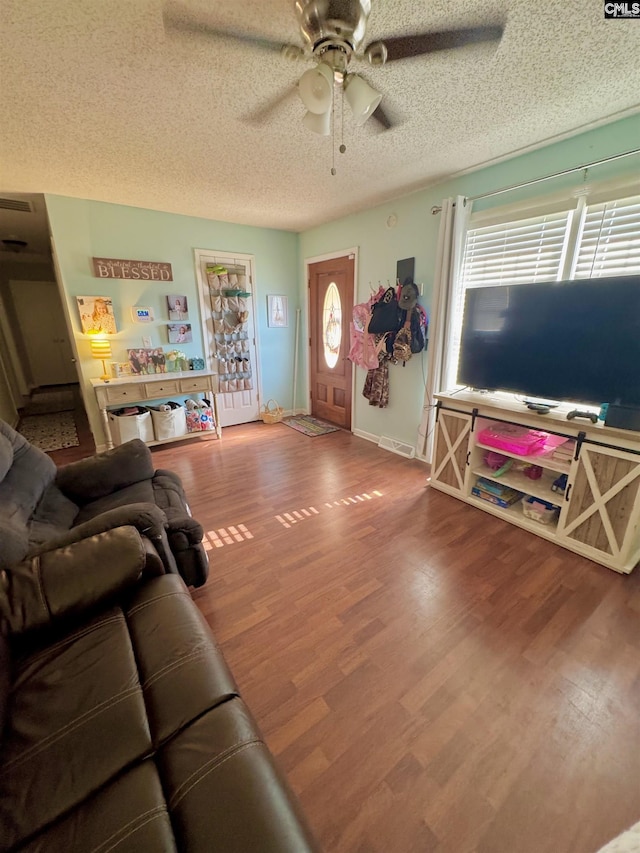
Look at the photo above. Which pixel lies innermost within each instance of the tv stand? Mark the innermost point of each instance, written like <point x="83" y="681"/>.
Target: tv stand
<point x="598" y="512"/>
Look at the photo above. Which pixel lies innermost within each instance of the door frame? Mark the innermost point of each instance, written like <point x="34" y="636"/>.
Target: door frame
<point x="202" y="285"/>
<point x="328" y="256"/>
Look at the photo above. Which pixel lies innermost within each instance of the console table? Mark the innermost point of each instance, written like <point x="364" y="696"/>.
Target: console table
<point x="599" y="510"/>
<point x="115" y="393"/>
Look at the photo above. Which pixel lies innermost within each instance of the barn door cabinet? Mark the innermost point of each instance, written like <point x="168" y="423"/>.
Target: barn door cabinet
<point x="599" y="511"/>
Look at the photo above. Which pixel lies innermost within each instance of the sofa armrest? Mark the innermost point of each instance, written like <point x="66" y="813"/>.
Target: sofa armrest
<point x="105" y="473"/>
<point x="69" y="580"/>
<point x="148" y="519"/>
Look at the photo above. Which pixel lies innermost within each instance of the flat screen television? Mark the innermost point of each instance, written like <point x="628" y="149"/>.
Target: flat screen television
<point x="572" y="340"/>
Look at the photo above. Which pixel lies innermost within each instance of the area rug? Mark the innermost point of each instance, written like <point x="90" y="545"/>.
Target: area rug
<point x="50" y="432"/>
<point x="308" y="425"/>
<point x="50" y="401"/>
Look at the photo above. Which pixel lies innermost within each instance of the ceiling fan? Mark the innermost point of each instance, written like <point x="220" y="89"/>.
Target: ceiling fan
<point x="333" y="35"/>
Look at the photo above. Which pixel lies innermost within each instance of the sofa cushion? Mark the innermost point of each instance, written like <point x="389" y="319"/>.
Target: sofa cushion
<point x="77" y="720"/>
<point x="21" y="489"/>
<point x="217" y="772"/>
<point x="106" y="472"/>
<point x="185" y="675"/>
<point x="6" y="456"/>
<point x="54" y="515"/>
<point x="137" y="493"/>
<point x="129" y="815"/>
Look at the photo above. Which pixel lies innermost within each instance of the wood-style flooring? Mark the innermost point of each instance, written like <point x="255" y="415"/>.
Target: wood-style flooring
<point x="429" y="677"/>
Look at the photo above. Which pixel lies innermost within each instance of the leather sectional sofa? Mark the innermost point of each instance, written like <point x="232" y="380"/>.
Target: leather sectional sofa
<point x="42" y="507"/>
<point x="121" y="727"/>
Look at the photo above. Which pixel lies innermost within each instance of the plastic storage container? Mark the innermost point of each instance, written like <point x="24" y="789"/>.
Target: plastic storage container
<point x="171" y="424"/>
<point x="540" y="510"/>
<point x="124" y="426"/>
<point x="515" y="439"/>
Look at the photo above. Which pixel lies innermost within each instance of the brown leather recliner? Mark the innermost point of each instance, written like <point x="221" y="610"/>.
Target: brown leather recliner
<point x="43" y="507"/>
<point x="121" y="727"/>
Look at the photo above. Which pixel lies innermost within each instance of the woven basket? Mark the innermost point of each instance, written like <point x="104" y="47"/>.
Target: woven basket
<point x="271" y="414"/>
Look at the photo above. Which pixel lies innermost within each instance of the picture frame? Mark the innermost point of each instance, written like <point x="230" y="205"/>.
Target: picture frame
<point x="144" y="361"/>
<point x="180" y="333"/>
<point x="178" y="308"/>
<point x="277" y="311"/>
<point x="96" y="315"/>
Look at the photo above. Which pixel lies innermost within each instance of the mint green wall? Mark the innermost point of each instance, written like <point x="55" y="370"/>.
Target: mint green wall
<point x="84" y="229"/>
<point x="416" y="236"/>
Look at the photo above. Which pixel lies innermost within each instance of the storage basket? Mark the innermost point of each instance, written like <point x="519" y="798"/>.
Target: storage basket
<point x="200" y="417"/>
<point x="125" y="427"/>
<point x="271" y="414"/>
<point x="169" y="424"/>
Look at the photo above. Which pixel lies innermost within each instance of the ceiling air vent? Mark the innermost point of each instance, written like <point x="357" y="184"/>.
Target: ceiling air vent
<point x="16" y="204"/>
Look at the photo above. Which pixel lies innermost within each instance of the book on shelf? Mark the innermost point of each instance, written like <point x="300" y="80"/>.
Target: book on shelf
<point x="495" y="487"/>
<point x="494" y="499"/>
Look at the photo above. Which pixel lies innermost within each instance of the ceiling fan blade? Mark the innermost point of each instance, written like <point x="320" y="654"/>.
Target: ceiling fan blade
<point x="178" y="18"/>
<point x="418" y="44"/>
<point x="262" y="113"/>
<point x="382" y="117"/>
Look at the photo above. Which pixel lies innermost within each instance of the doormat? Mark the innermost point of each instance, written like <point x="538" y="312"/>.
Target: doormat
<point x="308" y="425"/>
<point x="50" y="432"/>
<point x="50" y="401"/>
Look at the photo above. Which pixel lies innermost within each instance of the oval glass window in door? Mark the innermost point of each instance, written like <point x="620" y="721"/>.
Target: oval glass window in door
<point x="332" y="325"/>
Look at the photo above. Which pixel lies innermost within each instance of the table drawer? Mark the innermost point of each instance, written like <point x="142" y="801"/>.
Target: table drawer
<point x="123" y="394"/>
<point x="198" y="383"/>
<point x="153" y="390"/>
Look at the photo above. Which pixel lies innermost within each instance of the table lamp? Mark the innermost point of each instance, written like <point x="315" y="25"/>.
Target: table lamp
<point x="101" y="348"/>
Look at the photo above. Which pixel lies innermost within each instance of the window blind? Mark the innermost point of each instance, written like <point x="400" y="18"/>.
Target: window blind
<point x="520" y="252"/>
<point x="609" y="244"/>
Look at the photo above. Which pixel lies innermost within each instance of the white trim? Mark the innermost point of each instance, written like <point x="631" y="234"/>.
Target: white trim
<point x="329" y="256"/>
<point x="229" y="257"/>
<point x="368" y="436"/>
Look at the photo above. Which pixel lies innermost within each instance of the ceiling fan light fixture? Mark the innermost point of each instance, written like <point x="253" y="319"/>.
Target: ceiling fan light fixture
<point x="316" y="88"/>
<point x="318" y="122"/>
<point x="361" y="97"/>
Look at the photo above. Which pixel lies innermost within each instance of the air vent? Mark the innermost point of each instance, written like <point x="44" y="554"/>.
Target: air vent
<point x="398" y="447"/>
<point x="16" y="204"/>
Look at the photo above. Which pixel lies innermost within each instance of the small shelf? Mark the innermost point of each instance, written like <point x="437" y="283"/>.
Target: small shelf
<point x="537" y="488"/>
<point x="203" y="433"/>
<point x="515" y="515"/>
<point x="542" y="460"/>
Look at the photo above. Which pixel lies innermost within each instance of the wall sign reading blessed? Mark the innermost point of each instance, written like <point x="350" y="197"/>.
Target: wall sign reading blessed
<point x="136" y="270"/>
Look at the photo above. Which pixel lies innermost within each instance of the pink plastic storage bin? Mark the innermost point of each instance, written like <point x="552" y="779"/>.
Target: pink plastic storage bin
<point x="515" y="439"/>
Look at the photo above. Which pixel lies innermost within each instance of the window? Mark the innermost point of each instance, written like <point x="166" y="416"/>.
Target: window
<point x="587" y="241"/>
<point x="609" y="242"/>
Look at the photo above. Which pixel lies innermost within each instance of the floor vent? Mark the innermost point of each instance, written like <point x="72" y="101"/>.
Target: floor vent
<point x="398" y="447"/>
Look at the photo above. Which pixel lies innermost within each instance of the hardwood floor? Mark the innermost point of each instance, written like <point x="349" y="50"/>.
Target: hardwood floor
<point x="429" y="677"/>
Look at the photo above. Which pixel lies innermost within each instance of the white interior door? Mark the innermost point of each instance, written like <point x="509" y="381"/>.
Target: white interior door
<point x="44" y="332"/>
<point x="229" y="332"/>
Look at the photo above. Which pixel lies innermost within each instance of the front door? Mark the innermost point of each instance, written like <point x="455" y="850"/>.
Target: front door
<point x="330" y="303"/>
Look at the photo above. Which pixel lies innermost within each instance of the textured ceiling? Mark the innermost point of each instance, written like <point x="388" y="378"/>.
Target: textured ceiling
<point x="99" y="102"/>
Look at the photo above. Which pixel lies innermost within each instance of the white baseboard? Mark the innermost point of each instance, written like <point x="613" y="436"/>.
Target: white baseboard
<point x="368" y="436"/>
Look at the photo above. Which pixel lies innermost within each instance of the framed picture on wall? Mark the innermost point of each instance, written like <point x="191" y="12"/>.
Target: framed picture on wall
<point x="96" y="315"/>
<point x="277" y="310"/>
<point x="180" y="333"/>
<point x="178" y="307"/>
